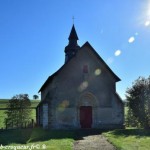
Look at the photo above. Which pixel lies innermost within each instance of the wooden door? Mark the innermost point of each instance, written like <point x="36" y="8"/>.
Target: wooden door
<point x="86" y="116"/>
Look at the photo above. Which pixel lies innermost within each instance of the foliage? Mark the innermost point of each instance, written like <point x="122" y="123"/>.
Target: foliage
<point x="35" y="97"/>
<point x="18" y="111"/>
<point x="129" y="139"/>
<point x="3" y="108"/>
<point x="4" y="103"/>
<point x="3" y="115"/>
<point x="138" y="98"/>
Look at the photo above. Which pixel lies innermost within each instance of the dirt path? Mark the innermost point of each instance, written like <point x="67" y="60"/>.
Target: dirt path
<point x="93" y="142"/>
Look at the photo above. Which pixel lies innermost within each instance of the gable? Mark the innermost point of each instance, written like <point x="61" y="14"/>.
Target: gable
<point x="96" y="57"/>
<point x="85" y="55"/>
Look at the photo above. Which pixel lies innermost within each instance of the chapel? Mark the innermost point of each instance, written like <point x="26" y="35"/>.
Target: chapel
<point x="82" y="93"/>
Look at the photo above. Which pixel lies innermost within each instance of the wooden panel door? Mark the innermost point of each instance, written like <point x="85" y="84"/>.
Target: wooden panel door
<point x="86" y="116"/>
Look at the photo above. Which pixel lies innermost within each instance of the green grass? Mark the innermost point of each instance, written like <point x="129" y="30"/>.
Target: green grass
<point x="52" y="139"/>
<point x="2" y="117"/>
<point x="129" y="139"/>
<point x="3" y="104"/>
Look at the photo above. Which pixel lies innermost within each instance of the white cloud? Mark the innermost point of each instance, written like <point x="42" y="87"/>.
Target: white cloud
<point x="131" y="39"/>
<point x="117" y="52"/>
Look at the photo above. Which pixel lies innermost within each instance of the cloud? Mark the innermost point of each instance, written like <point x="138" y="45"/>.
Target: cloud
<point x="117" y="52"/>
<point x="131" y="39"/>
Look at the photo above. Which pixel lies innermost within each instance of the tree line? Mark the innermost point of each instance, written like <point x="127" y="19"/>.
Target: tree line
<point x="138" y="103"/>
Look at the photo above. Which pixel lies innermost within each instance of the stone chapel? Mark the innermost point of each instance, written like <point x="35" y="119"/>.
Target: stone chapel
<point x="82" y="93"/>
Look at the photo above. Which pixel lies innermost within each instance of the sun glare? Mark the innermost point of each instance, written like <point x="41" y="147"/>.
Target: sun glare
<point x="147" y="23"/>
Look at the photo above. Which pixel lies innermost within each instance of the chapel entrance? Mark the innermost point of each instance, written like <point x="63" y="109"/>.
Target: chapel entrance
<point x="86" y="116"/>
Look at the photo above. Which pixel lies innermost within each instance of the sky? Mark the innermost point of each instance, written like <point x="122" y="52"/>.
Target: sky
<point x="34" y="33"/>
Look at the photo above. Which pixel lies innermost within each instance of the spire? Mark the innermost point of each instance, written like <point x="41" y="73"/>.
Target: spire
<point x="72" y="46"/>
<point x="73" y="34"/>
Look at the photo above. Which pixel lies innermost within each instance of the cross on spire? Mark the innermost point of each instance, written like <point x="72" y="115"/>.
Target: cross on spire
<point x="73" y="19"/>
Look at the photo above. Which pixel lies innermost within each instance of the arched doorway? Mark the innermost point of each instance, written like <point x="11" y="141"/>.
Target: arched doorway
<point x="87" y="110"/>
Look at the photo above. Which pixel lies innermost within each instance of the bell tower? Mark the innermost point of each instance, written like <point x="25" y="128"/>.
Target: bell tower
<point x="72" y="47"/>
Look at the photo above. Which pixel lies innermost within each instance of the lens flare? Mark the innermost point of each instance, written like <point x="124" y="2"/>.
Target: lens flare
<point x="117" y="52"/>
<point x="110" y="60"/>
<point x="83" y="86"/>
<point x="97" y="72"/>
<point x="63" y="105"/>
<point x="131" y="39"/>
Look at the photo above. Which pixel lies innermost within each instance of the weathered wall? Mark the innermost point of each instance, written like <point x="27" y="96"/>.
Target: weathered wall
<point x="73" y="88"/>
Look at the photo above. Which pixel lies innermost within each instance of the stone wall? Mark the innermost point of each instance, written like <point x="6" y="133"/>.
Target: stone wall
<point x="72" y="88"/>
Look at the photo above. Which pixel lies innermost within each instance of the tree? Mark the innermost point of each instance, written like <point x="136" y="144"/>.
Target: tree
<point x="35" y="97"/>
<point x="138" y="98"/>
<point x="18" y="110"/>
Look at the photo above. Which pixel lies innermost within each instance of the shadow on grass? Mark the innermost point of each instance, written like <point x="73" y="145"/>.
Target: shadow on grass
<point x="23" y="136"/>
<point x="44" y="135"/>
<point x="19" y="136"/>
<point x="132" y="132"/>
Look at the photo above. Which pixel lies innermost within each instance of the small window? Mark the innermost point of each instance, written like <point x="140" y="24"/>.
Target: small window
<point x="85" y="69"/>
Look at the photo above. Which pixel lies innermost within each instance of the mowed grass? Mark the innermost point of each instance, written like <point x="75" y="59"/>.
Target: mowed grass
<point x="50" y="139"/>
<point x="3" y="105"/>
<point x="129" y="139"/>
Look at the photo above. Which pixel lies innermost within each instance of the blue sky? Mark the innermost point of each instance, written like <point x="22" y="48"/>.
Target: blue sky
<point x="34" y="33"/>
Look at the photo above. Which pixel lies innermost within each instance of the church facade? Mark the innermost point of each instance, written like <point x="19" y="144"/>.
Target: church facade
<point x="82" y="93"/>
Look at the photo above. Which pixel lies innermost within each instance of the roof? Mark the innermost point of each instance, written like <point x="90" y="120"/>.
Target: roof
<point x="50" y="78"/>
<point x="73" y="34"/>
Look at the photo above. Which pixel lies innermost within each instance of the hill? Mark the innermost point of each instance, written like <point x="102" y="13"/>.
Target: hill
<point x="4" y="102"/>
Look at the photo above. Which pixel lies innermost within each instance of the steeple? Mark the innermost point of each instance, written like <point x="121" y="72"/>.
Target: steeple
<point x="73" y="34"/>
<point x="72" y="47"/>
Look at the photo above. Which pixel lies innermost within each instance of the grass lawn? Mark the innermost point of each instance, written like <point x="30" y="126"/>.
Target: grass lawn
<point x="44" y="139"/>
<point x="129" y="139"/>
